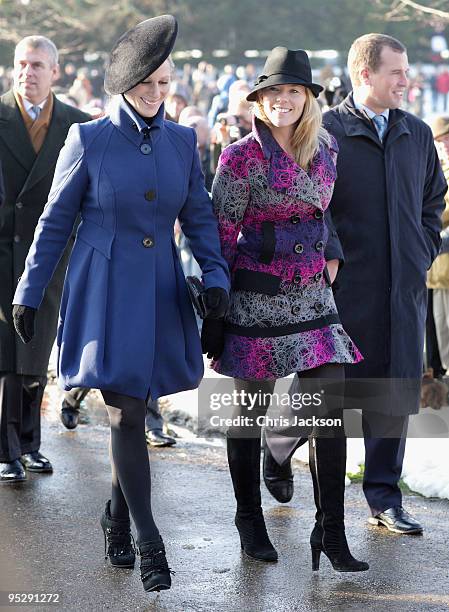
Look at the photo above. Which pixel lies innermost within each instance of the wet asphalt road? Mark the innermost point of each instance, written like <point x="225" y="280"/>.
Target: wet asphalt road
<point x="51" y="540"/>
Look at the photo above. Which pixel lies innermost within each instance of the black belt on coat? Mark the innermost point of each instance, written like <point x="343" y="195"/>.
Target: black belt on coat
<point x="283" y="330"/>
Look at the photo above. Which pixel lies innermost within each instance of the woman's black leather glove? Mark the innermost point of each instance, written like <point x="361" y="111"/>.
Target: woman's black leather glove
<point x="23" y="317"/>
<point x="216" y="301"/>
<point x="212" y="337"/>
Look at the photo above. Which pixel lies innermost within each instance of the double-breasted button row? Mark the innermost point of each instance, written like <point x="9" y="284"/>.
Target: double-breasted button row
<point x="318" y="307"/>
<point x="299" y="248"/>
<point x="297" y="278"/>
<point x="148" y="242"/>
<point x="318" y="214"/>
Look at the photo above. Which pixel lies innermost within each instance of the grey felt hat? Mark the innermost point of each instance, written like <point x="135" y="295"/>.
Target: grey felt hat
<point x="139" y="52"/>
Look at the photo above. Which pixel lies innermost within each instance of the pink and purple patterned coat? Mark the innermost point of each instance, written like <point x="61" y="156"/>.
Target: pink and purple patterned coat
<point x="282" y="316"/>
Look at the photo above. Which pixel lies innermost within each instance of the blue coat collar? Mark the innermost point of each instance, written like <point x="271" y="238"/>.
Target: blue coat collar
<point x="131" y="124"/>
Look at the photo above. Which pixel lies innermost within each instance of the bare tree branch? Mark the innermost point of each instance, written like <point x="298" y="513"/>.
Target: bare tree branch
<point x="408" y="10"/>
<point x="426" y="9"/>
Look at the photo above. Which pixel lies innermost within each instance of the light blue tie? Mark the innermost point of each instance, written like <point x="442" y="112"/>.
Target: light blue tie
<point x="381" y="125"/>
<point x="36" y="111"/>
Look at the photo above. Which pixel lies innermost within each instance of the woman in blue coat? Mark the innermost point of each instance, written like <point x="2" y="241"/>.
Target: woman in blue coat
<point x="126" y="322"/>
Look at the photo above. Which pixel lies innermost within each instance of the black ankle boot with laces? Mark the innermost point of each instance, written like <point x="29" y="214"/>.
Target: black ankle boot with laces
<point x="118" y="541"/>
<point x="154" y="570"/>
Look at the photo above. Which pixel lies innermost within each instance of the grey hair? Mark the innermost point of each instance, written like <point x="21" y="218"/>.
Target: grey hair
<point x="40" y="42"/>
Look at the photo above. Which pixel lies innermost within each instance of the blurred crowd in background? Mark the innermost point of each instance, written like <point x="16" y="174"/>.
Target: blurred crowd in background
<point x="212" y="100"/>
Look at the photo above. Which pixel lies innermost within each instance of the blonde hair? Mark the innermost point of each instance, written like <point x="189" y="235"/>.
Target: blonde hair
<point x="365" y="52"/>
<point x="309" y="132"/>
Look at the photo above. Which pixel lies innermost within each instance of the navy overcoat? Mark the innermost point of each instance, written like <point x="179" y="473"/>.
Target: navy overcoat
<point x="126" y="322"/>
<point x="386" y="208"/>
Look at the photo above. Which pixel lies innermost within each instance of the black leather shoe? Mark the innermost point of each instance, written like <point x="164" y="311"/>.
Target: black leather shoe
<point x="397" y="520"/>
<point x="12" y="472"/>
<point x="278" y="478"/>
<point x="36" y="462"/>
<point x="69" y="415"/>
<point x="156" y="437"/>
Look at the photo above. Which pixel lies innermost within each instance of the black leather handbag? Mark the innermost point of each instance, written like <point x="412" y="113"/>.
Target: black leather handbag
<point x="196" y="291"/>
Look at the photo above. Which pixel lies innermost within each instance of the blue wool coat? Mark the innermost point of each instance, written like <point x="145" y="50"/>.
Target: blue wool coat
<point x="126" y="322"/>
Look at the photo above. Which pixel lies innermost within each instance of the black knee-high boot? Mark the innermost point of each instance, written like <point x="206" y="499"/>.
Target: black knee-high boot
<point x="327" y="461"/>
<point x="244" y="465"/>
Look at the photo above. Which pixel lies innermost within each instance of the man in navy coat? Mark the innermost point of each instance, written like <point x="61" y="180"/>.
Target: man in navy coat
<point x="386" y="208"/>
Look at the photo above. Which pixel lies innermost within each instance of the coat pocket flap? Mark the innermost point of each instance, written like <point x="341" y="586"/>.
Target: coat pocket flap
<point x="258" y="282"/>
<point x="96" y="236"/>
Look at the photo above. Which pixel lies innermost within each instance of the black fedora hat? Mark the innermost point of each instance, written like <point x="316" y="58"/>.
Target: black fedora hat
<point x="139" y="52"/>
<point x="284" y="66"/>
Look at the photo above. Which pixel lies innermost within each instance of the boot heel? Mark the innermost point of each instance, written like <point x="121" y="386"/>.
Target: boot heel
<point x="316" y="552"/>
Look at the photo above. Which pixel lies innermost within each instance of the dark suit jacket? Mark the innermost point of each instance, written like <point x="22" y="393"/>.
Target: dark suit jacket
<point x="27" y="181"/>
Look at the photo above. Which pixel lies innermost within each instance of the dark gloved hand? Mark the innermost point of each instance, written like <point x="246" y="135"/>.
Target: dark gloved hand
<point x="212" y="337"/>
<point x="216" y="301"/>
<point x="23" y="317"/>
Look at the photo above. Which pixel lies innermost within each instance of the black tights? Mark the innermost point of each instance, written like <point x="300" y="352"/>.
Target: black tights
<point x="308" y="381"/>
<point x="130" y="464"/>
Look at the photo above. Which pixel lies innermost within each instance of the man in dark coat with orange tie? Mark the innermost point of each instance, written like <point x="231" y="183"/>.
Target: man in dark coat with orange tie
<point x="33" y="128"/>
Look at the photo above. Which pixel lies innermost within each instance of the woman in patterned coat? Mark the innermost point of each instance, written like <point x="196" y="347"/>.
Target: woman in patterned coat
<point x="270" y="193"/>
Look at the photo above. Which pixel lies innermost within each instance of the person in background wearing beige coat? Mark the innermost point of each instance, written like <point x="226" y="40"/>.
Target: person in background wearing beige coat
<point x="438" y="275"/>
